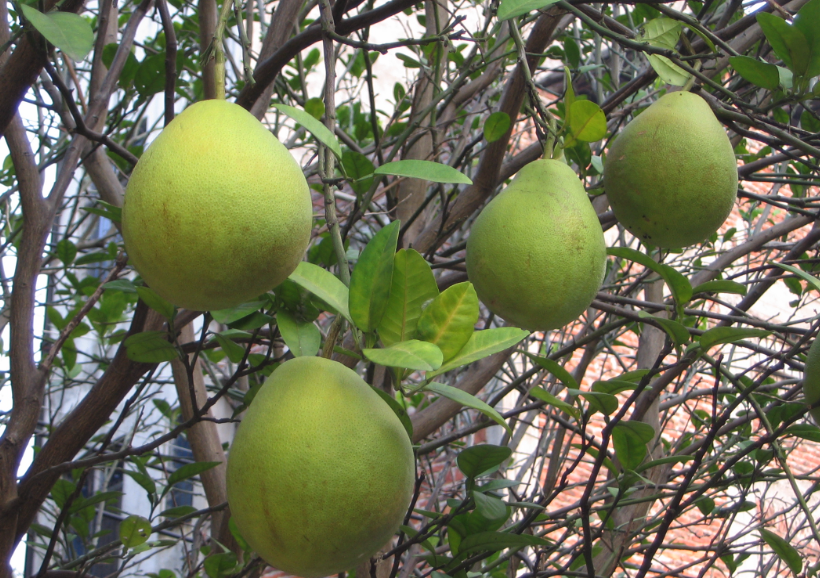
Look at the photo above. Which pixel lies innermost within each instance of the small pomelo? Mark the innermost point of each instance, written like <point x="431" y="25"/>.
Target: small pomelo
<point x="671" y="174"/>
<point x="811" y="379"/>
<point x="536" y="253"/>
<point x="321" y="471"/>
<point x="217" y="211"/>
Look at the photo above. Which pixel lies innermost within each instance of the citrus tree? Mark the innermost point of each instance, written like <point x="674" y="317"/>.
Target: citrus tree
<point x="663" y="431"/>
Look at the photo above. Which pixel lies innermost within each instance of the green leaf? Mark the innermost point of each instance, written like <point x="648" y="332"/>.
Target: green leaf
<point x="662" y="32"/>
<point x="481" y="459"/>
<point x="156" y="302"/>
<point x="808" y="22"/>
<point x="613" y="386"/>
<point x="220" y="565"/>
<point x="564" y="376"/>
<point x="667" y="70"/>
<point x="234" y="351"/>
<point x="483" y="344"/>
<point x="587" y="121"/>
<point x="123" y="285"/>
<point x="134" y="530"/>
<point x="496" y="126"/>
<point x="812" y="280"/>
<point x="464" y="398"/>
<point x="313" y="126"/>
<point x="549" y="399"/>
<point x="496" y="541"/>
<point x="70" y="33"/>
<point x="302" y="338"/>
<point x="150" y="347"/>
<point x="720" y="335"/>
<point x="490" y="507"/>
<point x="757" y="72"/>
<point x="144" y="480"/>
<point x="411" y="354"/>
<point x="359" y="168"/>
<point x="228" y="316"/>
<point x="315" y="107"/>
<point x="177" y="512"/>
<point x="188" y="471"/>
<point x="629" y="447"/>
<point x="678" y="284"/>
<point x="784" y="550"/>
<point x="662" y="461"/>
<point x="325" y="285"/>
<point x="677" y="331"/>
<point x="720" y="286"/>
<point x="397" y="408"/>
<point x="426" y="170"/>
<point x="806" y="431"/>
<point x="606" y="403"/>
<point x="66" y="250"/>
<point x="413" y="285"/>
<point x="372" y="277"/>
<point x="450" y="319"/>
<point x="514" y="8"/>
<point x="788" y="42"/>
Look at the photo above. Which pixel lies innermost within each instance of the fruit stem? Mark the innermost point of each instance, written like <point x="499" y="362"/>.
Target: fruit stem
<point x="219" y="49"/>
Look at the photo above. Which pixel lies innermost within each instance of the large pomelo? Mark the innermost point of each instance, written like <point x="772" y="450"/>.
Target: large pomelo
<point x="536" y="253"/>
<point x="321" y="471"/>
<point x="217" y="211"/>
<point x="671" y="174"/>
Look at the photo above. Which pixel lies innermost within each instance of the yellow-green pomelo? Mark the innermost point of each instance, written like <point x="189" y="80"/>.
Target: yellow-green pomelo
<point x="536" y="253"/>
<point x="811" y="379"/>
<point x="321" y="471"/>
<point x="671" y="174"/>
<point x="217" y="211"/>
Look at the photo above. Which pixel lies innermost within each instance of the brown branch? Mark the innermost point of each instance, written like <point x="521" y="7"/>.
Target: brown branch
<point x="170" y="59"/>
<point x="207" y="28"/>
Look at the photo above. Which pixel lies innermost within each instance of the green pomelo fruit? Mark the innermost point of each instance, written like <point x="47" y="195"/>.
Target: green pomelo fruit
<point x="811" y="379"/>
<point x="671" y="174"/>
<point x="217" y="211"/>
<point x="321" y="471"/>
<point x="536" y="253"/>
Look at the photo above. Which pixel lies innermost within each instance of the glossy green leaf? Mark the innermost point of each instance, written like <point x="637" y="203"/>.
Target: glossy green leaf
<point x="325" y="285"/>
<point x="496" y="541"/>
<point x="188" y="471"/>
<point x="411" y="354"/>
<point x="234" y="351"/>
<point x="313" y="126"/>
<point x="134" y="530"/>
<point x="720" y="286"/>
<point x="228" y="316"/>
<point x="302" y="338"/>
<point x="464" y="398"/>
<point x="496" y="126"/>
<point x="805" y="431"/>
<point x="489" y="506"/>
<point x="412" y="286"/>
<point x="360" y="169"/>
<point x="156" y="302"/>
<point x="315" y="107"/>
<point x="668" y="71"/>
<point x="483" y="344"/>
<point x="605" y="403"/>
<point x="678" y="284"/>
<point x="70" y="33"/>
<point x="450" y="319"/>
<point x="677" y="331"/>
<point x="613" y="386"/>
<point x="784" y="550"/>
<point x="756" y="71"/>
<point x="808" y="22"/>
<point x="372" y="278"/>
<point x="788" y="42"/>
<point x="426" y="170"/>
<point x="630" y="448"/>
<point x="811" y="279"/>
<point x="66" y="251"/>
<point x="480" y="459"/>
<point x="587" y="122"/>
<point x="514" y="8"/>
<point x="545" y="396"/>
<point x="220" y="565"/>
<point x="556" y="369"/>
<point x="662" y="32"/>
<point x="124" y="285"/>
<point x="150" y="347"/>
<point x="397" y="408"/>
<point x="720" y="335"/>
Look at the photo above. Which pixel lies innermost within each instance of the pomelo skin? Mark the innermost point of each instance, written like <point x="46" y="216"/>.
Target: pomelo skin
<point x="321" y="472"/>
<point x="811" y="379"/>
<point x="536" y="253"/>
<point x="671" y="174"/>
<point x="217" y="211"/>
